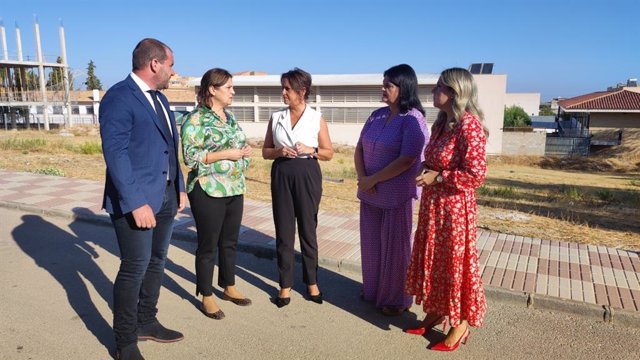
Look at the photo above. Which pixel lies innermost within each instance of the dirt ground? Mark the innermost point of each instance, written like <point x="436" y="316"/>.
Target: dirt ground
<point x="577" y="200"/>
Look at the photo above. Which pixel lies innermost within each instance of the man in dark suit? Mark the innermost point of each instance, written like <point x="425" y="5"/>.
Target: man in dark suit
<point x="144" y="189"/>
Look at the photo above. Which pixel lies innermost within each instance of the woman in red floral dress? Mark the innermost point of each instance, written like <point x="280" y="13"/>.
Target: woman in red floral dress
<point x="444" y="274"/>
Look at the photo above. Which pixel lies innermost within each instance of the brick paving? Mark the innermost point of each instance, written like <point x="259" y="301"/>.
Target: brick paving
<point x="583" y="273"/>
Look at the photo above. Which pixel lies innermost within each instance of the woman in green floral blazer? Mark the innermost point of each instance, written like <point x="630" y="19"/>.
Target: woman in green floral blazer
<point x="217" y="155"/>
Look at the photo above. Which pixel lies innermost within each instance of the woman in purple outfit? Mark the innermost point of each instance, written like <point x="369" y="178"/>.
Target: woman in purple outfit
<point x="387" y="160"/>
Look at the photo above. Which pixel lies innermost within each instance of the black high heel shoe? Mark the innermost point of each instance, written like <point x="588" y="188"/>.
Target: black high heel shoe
<point x="316" y="298"/>
<point x="282" y="302"/>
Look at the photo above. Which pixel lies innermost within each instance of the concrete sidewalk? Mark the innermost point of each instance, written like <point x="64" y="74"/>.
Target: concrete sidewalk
<point x="593" y="280"/>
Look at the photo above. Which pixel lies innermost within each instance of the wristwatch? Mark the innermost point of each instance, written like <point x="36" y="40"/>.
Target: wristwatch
<point x="439" y="178"/>
<point x="315" y="151"/>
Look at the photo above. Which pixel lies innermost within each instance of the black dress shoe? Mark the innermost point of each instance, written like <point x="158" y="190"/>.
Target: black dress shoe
<point x="282" y="302"/>
<point x="241" y="302"/>
<point x="316" y="298"/>
<point x="129" y="352"/>
<point x="156" y="332"/>
<point x="218" y="315"/>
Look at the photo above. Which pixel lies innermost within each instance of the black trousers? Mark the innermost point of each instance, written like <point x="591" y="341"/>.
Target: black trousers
<point x="296" y="189"/>
<point x="218" y="225"/>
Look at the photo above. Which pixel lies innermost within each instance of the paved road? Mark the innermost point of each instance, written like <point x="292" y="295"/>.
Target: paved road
<point x="55" y="294"/>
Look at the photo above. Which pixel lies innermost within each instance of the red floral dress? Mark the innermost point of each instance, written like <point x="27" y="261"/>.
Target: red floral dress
<point x="444" y="274"/>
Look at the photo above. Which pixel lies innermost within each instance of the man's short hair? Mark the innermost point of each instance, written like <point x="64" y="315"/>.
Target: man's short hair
<point x="147" y="50"/>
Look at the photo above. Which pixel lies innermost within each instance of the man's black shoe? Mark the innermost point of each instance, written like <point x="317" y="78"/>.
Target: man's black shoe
<point x="129" y="352"/>
<point x="156" y="332"/>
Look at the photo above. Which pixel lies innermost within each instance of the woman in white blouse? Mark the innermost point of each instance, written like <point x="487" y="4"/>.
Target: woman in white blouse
<point x="296" y="138"/>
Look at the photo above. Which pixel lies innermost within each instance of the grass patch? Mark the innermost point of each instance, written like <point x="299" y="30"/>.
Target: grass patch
<point x="506" y="192"/>
<point x="23" y="144"/>
<point x="49" y="171"/>
<point x="605" y="195"/>
<point x="90" y="148"/>
<point x="572" y="193"/>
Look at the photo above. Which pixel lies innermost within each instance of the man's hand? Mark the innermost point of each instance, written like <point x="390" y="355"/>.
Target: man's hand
<point x="144" y="217"/>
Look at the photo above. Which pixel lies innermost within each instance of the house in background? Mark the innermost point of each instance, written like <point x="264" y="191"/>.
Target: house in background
<point x="616" y="108"/>
<point x="578" y="117"/>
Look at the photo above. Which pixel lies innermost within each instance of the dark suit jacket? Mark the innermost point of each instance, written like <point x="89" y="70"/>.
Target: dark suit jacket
<point x="136" y="149"/>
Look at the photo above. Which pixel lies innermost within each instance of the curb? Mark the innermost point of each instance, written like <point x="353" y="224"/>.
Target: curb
<point x="533" y="301"/>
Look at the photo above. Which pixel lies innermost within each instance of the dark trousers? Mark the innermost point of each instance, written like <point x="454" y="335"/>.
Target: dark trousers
<point x="296" y="189"/>
<point x="218" y="224"/>
<point x="143" y="253"/>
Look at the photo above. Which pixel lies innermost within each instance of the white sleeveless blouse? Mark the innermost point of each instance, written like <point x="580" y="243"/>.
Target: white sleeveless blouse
<point x="306" y="130"/>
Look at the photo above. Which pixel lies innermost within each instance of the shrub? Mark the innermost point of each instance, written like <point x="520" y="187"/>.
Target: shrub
<point x="515" y="116"/>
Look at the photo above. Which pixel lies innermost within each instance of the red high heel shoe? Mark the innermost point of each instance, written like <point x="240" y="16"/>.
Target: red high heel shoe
<point x="423" y="329"/>
<point x="442" y="347"/>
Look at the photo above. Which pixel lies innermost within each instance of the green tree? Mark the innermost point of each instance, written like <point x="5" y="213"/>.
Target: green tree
<point x="26" y="79"/>
<point x="515" y="116"/>
<point x="56" y="78"/>
<point x="545" y="110"/>
<point x="92" y="80"/>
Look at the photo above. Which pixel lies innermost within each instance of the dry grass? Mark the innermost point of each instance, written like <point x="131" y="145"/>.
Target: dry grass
<point x="593" y="200"/>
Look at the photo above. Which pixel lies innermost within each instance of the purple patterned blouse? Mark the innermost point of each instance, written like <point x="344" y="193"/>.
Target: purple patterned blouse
<point x="382" y="143"/>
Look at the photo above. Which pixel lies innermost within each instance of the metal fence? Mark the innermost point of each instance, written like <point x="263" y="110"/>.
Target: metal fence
<point x="567" y="146"/>
<point x="11" y="121"/>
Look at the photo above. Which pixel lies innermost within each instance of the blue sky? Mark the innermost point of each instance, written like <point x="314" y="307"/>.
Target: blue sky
<point x="558" y="48"/>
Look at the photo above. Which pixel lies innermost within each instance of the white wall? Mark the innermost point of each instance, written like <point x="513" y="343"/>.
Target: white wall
<point x="491" y="96"/>
<point x="530" y="102"/>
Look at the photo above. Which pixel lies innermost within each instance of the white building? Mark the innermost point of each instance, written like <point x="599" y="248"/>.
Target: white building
<point x="346" y="101"/>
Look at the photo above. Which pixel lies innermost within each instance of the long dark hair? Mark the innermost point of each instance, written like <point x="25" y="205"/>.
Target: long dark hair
<point x="405" y="78"/>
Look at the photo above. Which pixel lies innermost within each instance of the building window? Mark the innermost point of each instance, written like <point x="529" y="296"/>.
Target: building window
<point x="242" y="113"/>
<point x="270" y="95"/>
<point x="243" y="95"/>
<point x="351" y="94"/>
<point x="346" y="115"/>
<point x="424" y="93"/>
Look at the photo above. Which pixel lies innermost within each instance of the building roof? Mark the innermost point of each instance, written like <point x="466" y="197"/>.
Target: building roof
<point x="623" y="100"/>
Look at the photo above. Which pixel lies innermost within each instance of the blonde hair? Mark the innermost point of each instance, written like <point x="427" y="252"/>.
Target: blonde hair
<point x="465" y="99"/>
